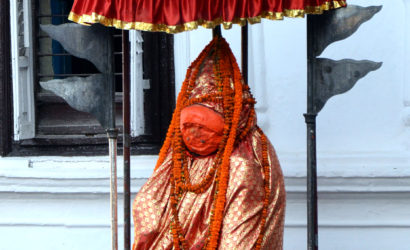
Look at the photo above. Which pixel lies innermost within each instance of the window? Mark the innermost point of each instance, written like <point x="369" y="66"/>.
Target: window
<point x="45" y="124"/>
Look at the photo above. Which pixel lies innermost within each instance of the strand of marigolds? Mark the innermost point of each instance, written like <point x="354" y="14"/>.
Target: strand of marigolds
<point x="231" y="96"/>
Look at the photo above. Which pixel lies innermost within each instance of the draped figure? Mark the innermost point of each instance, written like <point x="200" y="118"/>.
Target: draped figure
<point x="217" y="183"/>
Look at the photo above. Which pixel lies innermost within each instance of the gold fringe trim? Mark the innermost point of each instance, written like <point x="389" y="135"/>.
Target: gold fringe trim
<point x="172" y="29"/>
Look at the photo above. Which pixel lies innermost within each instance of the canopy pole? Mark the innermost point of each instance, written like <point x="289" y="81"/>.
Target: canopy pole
<point x="312" y="214"/>
<point x="112" y="141"/>
<point x="112" y="134"/>
<point x="217" y="31"/>
<point x="126" y="137"/>
<point x="310" y="119"/>
<point x="244" y="53"/>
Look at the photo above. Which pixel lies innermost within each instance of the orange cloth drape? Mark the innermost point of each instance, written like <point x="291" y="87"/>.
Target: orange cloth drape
<point x="180" y="15"/>
<point x="202" y="129"/>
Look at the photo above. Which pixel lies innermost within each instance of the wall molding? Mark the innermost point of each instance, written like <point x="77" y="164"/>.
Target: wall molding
<point x="360" y="195"/>
<point x="354" y="172"/>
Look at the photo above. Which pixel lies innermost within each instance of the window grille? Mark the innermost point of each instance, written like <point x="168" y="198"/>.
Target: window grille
<point x="55" y="117"/>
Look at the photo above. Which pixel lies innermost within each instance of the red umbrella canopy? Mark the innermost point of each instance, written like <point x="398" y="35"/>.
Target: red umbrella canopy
<point x="173" y="16"/>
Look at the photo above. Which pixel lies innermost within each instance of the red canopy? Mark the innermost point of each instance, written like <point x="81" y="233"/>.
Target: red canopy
<point x="173" y="16"/>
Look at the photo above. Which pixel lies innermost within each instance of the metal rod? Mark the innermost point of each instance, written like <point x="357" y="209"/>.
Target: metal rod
<point x="217" y="31"/>
<point x="63" y="75"/>
<point x="112" y="133"/>
<point x="68" y="75"/>
<point x="127" y="137"/>
<point x="53" y="15"/>
<point x="310" y="119"/>
<point x="55" y="54"/>
<point x="244" y="54"/>
<point x="312" y="214"/>
<point x="112" y="141"/>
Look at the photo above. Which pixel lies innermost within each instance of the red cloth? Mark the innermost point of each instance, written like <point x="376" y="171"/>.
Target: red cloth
<point x="202" y="129"/>
<point x="183" y="12"/>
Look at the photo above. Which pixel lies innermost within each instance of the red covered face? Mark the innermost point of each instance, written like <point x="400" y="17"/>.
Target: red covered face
<point x="202" y="129"/>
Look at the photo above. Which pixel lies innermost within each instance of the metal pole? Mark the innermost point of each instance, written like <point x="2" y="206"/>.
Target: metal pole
<point x="217" y="31"/>
<point x="112" y="141"/>
<point x="112" y="134"/>
<point x="126" y="136"/>
<point x="244" y="54"/>
<point x="310" y="119"/>
<point x="312" y="221"/>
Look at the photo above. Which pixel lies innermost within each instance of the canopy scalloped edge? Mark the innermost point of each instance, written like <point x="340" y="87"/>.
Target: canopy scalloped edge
<point x="86" y="19"/>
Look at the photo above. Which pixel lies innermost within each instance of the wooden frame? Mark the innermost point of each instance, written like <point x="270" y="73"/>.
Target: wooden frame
<point x="158" y="66"/>
<point x="5" y="80"/>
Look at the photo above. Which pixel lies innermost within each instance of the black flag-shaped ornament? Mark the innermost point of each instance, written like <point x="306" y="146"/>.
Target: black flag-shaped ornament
<point x="93" y="94"/>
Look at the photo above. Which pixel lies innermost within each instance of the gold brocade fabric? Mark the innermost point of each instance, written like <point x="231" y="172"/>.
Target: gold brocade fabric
<point x="240" y="229"/>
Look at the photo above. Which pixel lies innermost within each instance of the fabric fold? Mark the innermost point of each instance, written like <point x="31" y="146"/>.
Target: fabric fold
<point x="183" y="15"/>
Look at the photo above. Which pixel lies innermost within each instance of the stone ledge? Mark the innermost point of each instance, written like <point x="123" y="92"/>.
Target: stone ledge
<point x="355" y="172"/>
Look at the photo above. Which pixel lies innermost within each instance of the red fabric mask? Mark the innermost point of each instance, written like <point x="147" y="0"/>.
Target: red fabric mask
<point x="202" y="129"/>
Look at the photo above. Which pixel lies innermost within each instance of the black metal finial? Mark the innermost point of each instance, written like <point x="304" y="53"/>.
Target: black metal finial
<point x="244" y="53"/>
<point x="217" y="31"/>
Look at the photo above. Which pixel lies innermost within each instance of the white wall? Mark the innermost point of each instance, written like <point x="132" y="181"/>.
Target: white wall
<point x="367" y="119"/>
<point x="363" y="147"/>
<point x="62" y="203"/>
<point x="363" y="135"/>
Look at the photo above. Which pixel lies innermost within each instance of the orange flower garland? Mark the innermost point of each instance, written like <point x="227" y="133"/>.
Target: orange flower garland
<point x="231" y="96"/>
<point x="266" y="172"/>
<point x="222" y="177"/>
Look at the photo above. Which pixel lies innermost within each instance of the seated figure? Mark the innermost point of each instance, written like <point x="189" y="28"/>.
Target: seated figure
<point x="217" y="183"/>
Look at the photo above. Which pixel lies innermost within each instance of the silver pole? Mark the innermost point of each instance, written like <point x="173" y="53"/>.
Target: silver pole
<point x="112" y="141"/>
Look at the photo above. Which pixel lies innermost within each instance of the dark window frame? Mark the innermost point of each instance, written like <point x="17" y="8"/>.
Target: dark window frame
<point x="6" y="101"/>
<point x="158" y="64"/>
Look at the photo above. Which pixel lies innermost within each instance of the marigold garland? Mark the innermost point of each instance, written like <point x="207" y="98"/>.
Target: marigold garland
<point x="231" y="95"/>
<point x="266" y="173"/>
